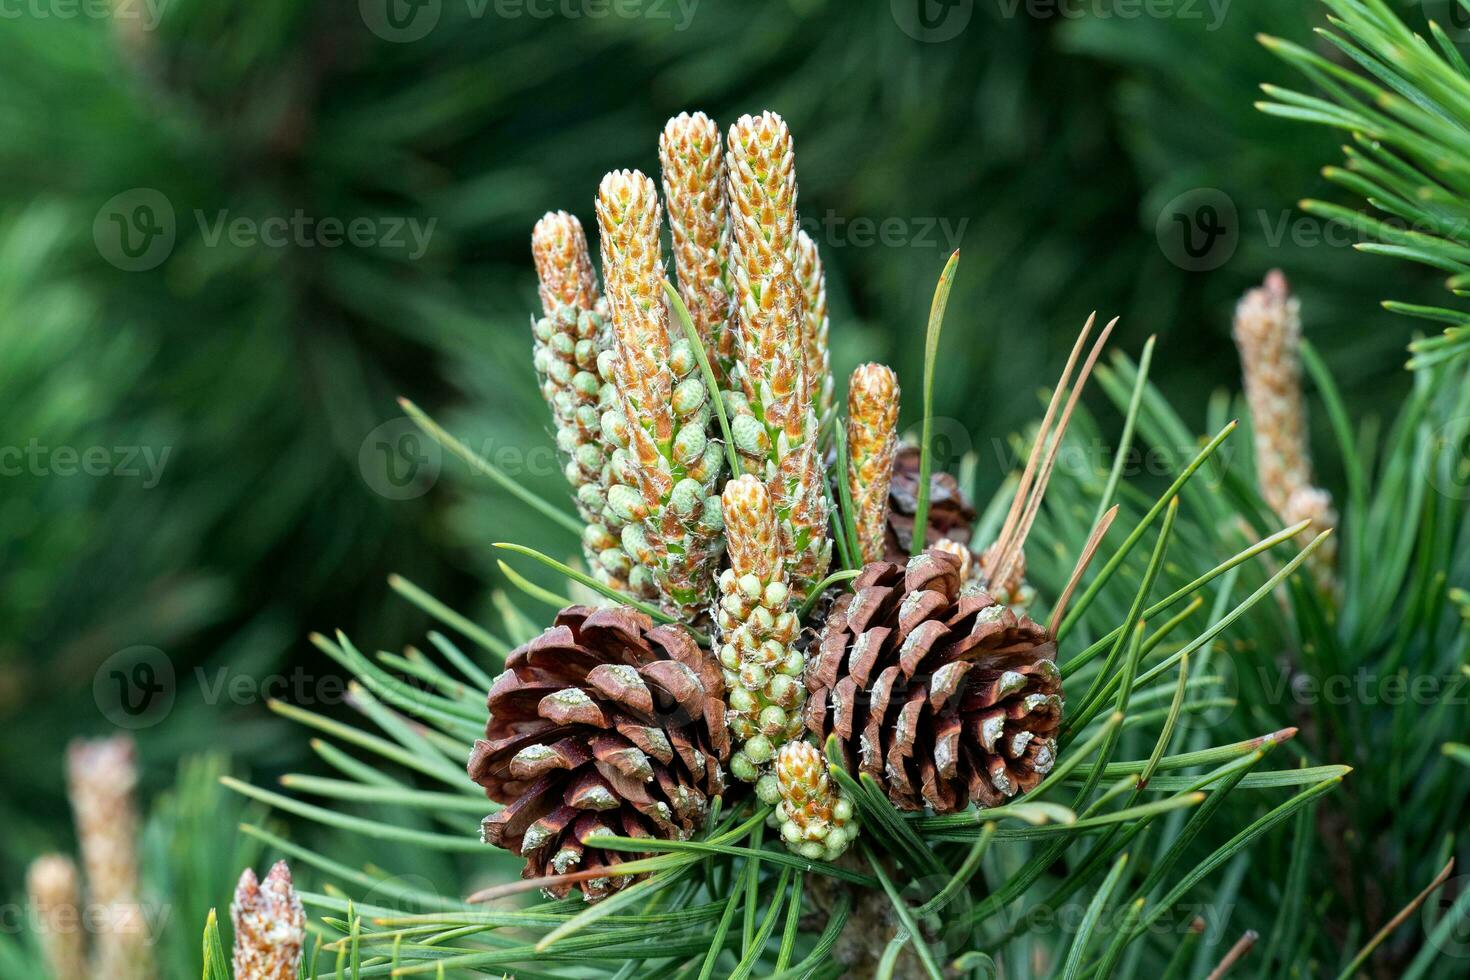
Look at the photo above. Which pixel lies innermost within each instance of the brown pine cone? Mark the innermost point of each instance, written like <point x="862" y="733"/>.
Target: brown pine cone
<point x="950" y="514"/>
<point x="603" y="724"/>
<point x="941" y="694"/>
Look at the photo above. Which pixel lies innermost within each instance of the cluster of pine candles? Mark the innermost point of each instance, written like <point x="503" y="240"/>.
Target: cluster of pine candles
<point x="779" y="576"/>
<point x="717" y="479"/>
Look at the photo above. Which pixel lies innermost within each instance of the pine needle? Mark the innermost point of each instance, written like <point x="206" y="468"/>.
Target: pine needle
<point x="485" y="467"/>
<point x="1398" y="920"/>
<point x="931" y="356"/>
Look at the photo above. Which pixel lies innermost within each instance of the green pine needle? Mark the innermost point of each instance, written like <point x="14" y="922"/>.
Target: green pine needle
<point x="931" y="357"/>
<point x="482" y="465"/>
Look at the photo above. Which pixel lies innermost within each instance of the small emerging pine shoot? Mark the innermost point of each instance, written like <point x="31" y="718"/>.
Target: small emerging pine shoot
<point x="1268" y="333"/>
<point x="270" y="926"/>
<point x="54" y="889"/>
<point x="775" y="425"/>
<point x="102" y="779"/>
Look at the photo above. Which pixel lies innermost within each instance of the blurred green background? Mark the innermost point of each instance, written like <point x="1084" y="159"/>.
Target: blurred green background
<point x="203" y="458"/>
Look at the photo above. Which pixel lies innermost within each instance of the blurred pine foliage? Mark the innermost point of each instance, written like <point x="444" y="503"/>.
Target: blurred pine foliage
<point x="1045" y="146"/>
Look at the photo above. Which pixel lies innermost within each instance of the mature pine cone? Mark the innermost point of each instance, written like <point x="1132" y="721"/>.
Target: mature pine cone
<point x="944" y="695"/>
<point x="603" y="724"/>
<point x="950" y="514"/>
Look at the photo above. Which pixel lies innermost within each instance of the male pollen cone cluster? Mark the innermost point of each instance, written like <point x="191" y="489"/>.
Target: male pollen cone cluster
<point x="568" y="338"/>
<point x="607" y="724"/>
<point x="758" y="632"/>
<point x="814" y="817"/>
<point x="632" y="408"/>
<point x="693" y="169"/>
<point x="775" y="424"/>
<point x="660" y="424"/>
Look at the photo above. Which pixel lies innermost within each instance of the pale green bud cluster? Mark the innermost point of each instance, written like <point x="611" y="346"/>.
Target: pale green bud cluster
<point x="567" y="346"/>
<point x="762" y="667"/>
<point x="814" y="816"/>
<point x="662" y="486"/>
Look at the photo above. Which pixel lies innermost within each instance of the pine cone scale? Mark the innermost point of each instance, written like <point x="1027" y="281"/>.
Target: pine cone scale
<point x="951" y="515"/>
<point x="538" y="759"/>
